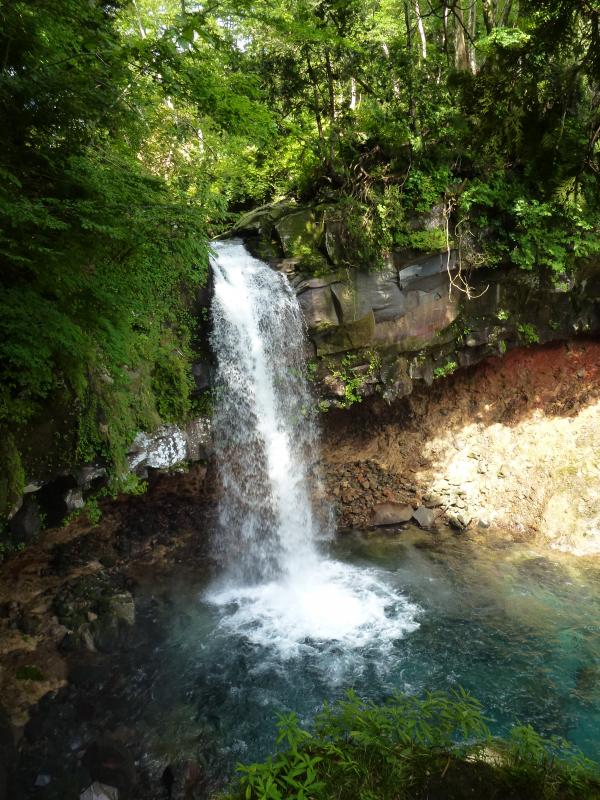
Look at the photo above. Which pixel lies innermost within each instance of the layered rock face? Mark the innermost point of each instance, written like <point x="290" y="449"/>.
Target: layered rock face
<point x="378" y="328"/>
<point x="510" y="444"/>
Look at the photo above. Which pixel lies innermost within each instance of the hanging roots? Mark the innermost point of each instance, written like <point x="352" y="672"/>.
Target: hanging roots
<point x="458" y="281"/>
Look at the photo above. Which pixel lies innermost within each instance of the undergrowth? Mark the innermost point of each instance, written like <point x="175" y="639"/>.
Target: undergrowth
<point x="436" y="747"/>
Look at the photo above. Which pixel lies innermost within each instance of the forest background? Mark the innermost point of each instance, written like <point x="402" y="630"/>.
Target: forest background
<point x="133" y="132"/>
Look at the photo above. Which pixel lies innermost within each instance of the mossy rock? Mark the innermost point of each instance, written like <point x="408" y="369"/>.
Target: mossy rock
<point x="350" y="336"/>
<point x="260" y="221"/>
<point x="302" y="236"/>
<point x="29" y="672"/>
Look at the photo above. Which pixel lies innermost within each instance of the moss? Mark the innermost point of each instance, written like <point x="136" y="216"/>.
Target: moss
<point x="29" y="672"/>
<point x="349" y="336"/>
<point x="528" y="333"/>
<point x="12" y="475"/>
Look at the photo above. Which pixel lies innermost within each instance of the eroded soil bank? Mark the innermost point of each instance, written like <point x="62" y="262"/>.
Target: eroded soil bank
<point x="512" y="442"/>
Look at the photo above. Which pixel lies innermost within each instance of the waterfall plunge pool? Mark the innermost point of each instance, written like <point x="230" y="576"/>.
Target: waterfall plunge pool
<point x="206" y="670"/>
<point x="516" y="626"/>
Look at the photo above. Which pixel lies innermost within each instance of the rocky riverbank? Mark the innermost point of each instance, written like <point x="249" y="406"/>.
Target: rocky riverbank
<point x="510" y="443"/>
<point x="71" y="600"/>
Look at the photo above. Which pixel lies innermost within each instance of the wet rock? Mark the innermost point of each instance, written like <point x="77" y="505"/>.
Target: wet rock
<point x="73" y="499"/>
<point x="391" y="514"/>
<point x="459" y="521"/>
<point x="27" y="522"/>
<point x="201" y="373"/>
<point x="111" y="764"/>
<point x="197" y="435"/>
<point x="8" y="757"/>
<point x="107" y="630"/>
<point x="424" y="516"/>
<point x="122" y="608"/>
<point x="162" y="449"/>
<point x="99" y="791"/>
<point x="89" y="474"/>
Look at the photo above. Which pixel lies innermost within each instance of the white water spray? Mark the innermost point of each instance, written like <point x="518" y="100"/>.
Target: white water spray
<point x="279" y="590"/>
<point x="264" y="429"/>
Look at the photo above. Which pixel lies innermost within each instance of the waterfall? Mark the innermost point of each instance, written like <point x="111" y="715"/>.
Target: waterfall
<point x="264" y="426"/>
<point x="279" y="588"/>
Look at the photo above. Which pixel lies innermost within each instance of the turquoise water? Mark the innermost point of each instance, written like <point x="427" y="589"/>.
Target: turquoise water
<point x="517" y="626"/>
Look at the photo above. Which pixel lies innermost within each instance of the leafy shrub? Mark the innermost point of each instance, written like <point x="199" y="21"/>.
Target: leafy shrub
<point x="413" y="748"/>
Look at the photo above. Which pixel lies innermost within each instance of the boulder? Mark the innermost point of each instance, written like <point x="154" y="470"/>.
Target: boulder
<point x="318" y="309"/>
<point x="162" y="449"/>
<point x="349" y="304"/>
<point x="391" y="514"/>
<point x="27" y="522"/>
<point x="425" y="267"/>
<point x="89" y="473"/>
<point x="197" y="434"/>
<point x="201" y="373"/>
<point x="459" y="520"/>
<point x="424" y="516"/>
<point x="301" y="234"/>
<point x="381" y="292"/>
<point x="99" y="791"/>
<point x="259" y="221"/>
<point x="351" y="336"/>
<point x="73" y="499"/>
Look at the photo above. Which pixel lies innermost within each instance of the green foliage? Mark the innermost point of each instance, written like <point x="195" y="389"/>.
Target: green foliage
<point x="447" y="369"/>
<point x="528" y="333"/>
<point x="404" y="749"/>
<point x="12" y="474"/>
<point x="130" y="133"/>
<point x="354" y="374"/>
<point x="113" y="148"/>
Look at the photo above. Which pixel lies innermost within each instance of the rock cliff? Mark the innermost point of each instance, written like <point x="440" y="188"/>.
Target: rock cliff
<point x="378" y="327"/>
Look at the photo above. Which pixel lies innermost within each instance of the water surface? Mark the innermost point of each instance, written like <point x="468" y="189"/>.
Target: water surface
<point x="515" y="625"/>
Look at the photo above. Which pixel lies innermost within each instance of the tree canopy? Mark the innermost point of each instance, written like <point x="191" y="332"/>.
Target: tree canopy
<point x="131" y="131"/>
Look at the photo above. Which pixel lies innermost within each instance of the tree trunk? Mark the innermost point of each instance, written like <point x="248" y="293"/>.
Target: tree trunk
<point x="139" y="20"/>
<point x="316" y="98"/>
<point x="409" y="81"/>
<point x="331" y="92"/>
<point x="488" y="16"/>
<point x="472" y="36"/>
<point x="461" y="56"/>
<point x="506" y="13"/>
<point x="353" y="96"/>
<point x="421" y="28"/>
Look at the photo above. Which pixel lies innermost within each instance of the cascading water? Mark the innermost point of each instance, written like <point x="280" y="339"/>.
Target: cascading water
<point x="264" y="432"/>
<point x="278" y="588"/>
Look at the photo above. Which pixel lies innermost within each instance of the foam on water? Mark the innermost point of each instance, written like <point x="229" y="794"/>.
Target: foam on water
<point x="347" y="606"/>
